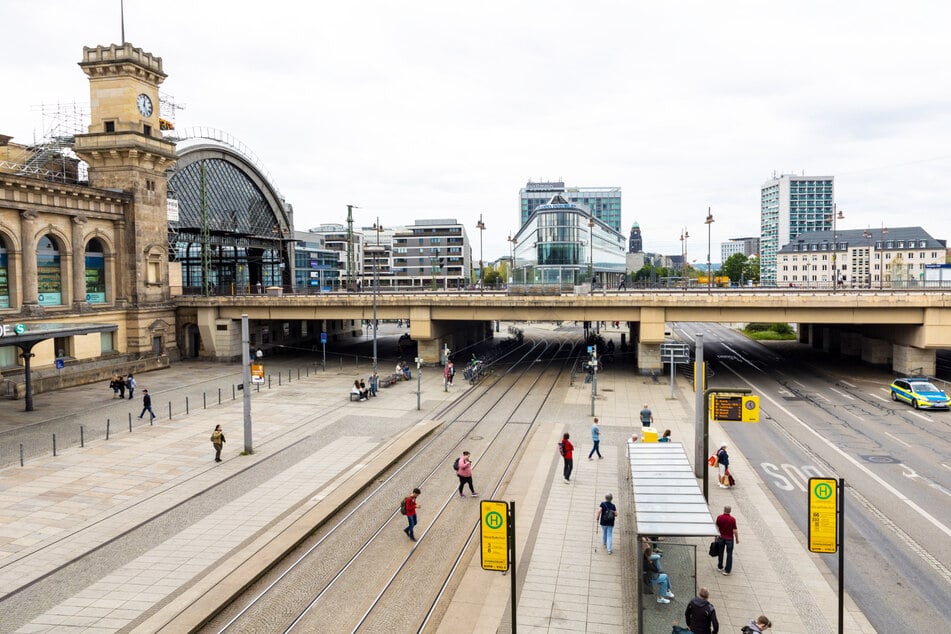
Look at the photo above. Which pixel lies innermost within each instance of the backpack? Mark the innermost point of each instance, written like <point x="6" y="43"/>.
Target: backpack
<point x="608" y="515"/>
<point x="561" y="448"/>
<point x="403" y="507"/>
<point x="455" y="465"/>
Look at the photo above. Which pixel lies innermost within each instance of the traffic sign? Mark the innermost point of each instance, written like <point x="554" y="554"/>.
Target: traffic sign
<point x="823" y="515"/>
<point x="323" y="337"/>
<point x="736" y="408"/>
<point x="675" y="352"/>
<point x="495" y="535"/>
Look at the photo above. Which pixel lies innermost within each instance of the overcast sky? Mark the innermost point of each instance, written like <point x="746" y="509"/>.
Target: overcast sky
<point x="445" y="109"/>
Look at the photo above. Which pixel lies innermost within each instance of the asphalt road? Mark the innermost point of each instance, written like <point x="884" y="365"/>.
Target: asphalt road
<point x="828" y="417"/>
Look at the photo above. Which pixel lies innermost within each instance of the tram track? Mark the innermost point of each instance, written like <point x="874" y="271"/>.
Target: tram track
<point x="359" y="572"/>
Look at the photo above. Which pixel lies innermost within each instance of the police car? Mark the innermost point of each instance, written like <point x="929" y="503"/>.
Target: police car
<point x="919" y="393"/>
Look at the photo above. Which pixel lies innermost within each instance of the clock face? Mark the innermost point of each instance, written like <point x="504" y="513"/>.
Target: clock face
<point x="145" y="105"/>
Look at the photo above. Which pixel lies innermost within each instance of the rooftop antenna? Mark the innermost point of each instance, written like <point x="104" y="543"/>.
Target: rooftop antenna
<point x="122" y="19"/>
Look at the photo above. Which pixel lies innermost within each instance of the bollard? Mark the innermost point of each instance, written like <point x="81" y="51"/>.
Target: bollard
<point x="258" y="386"/>
<point x="54" y="445"/>
<point x="269" y="381"/>
<point x="21" y="454"/>
<point x="288" y="376"/>
<point x="219" y="396"/>
<point x="186" y="406"/>
<point x="307" y="371"/>
<point x="298" y="374"/>
<point x="81" y="443"/>
<point x="130" y="421"/>
<point x="232" y="391"/>
<point x="107" y="429"/>
<point x="204" y="401"/>
<point x="279" y="375"/>
<point x="169" y="410"/>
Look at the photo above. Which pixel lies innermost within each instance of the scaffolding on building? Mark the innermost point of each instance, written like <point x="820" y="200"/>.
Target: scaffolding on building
<point x="51" y="155"/>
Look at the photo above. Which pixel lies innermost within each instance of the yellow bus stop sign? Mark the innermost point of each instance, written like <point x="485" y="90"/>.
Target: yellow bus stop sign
<point x="823" y="515"/>
<point x="495" y="535"/>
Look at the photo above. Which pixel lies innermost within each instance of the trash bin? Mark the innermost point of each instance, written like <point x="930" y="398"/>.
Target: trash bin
<point x="648" y="434"/>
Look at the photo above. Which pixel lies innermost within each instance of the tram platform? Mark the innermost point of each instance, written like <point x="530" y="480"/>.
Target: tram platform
<point x="91" y="499"/>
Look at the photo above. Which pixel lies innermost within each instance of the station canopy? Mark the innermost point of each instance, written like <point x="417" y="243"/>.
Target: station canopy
<point x="667" y="499"/>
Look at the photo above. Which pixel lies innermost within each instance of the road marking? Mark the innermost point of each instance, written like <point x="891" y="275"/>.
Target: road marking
<point x="841" y="393"/>
<point x="893" y="437"/>
<point x="800" y="385"/>
<point x="847" y="383"/>
<point x="881" y="398"/>
<point x="921" y="416"/>
<point x="858" y="465"/>
<point x="946" y="466"/>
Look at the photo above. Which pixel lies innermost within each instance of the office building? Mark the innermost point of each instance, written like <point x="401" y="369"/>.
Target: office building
<point x="604" y="203"/>
<point x="791" y="205"/>
<point x="746" y="246"/>
<point x="432" y="254"/>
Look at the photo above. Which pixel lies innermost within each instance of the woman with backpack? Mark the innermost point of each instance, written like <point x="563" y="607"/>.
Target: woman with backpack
<point x="606" y="515"/>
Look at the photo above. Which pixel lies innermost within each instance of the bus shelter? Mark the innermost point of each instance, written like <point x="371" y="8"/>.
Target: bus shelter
<point x="669" y="508"/>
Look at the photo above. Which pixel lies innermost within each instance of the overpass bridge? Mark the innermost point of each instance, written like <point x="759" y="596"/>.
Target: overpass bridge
<point x="902" y="328"/>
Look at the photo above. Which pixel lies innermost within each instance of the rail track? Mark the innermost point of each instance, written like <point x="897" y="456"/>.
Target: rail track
<point x="359" y="572"/>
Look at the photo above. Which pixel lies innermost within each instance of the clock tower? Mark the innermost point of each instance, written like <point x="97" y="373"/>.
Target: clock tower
<point x="125" y="151"/>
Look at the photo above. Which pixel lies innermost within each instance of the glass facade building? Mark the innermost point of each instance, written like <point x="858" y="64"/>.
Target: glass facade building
<point x="559" y="246"/>
<point x="602" y="202"/>
<point x="791" y="205"/>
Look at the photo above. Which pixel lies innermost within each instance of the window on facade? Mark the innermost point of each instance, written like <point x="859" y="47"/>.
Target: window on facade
<point x="49" y="275"/>
<point x="4" y="276"/>
<point x="95" y="272"/>
<point x="62" y="347"/>
<point x="110" y="126"/>
<point x="154" y="269"/>
<point x="106" y="342"/>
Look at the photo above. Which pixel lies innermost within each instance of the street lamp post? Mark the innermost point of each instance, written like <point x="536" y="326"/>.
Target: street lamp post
<point x="513" y="242"/>
<point x="377" y="227"/>
<point x="836" y="215"/>
<point x="684" y="234"/>
<point x="709" y="223"/>
<point x="481" y="226"/>
<point x="881" y="274"/>
<point x="591" y="252"/>
<point x="867" y="234"/>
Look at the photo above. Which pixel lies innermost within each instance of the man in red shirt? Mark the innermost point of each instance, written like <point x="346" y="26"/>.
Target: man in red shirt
<point x="411" y="507"/>
<point x="726" y="524"/>
<point x="566" y="451"/>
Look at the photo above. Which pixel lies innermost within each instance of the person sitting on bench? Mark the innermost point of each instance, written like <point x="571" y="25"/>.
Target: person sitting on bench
<point x="356" y="391"/>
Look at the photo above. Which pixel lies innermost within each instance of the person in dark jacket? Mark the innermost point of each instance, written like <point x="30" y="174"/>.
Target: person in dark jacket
<point x="700" y="615"/>
<point x="147" y="405"/>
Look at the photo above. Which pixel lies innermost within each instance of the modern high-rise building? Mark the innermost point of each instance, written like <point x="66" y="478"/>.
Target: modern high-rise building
<point x="746" y="246"/>
<point x="636" y="244"/>
<point x="604" y="203"/>
<point x="791" y="205"/>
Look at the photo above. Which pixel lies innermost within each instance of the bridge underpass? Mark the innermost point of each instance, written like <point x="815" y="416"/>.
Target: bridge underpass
<point x="900" y="328"/>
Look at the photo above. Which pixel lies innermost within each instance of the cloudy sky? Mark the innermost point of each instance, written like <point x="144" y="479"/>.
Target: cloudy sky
<point x="445" y="109"/>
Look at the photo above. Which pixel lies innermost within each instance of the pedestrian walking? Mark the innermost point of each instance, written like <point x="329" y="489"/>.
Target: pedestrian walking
<point x="595" y="440"/>
<point x="114" y="385"/>
<point x="120" y="383"/>
<point x="410" y="507"/>
<point x="566" y="449"/>
<point x="464" y="471"/>
<point x="130" y="384"/>
<point x="726" y="524"/>
<point x="656" y="575"/>
<point x="723" y="462"/>
<point x="700" y="615"/>
<point x="606" y="515"/>
<point x="760" y="625"/>
<point x="146" y="404"/>
<point x="647" y="417"/>
<point x="452" y="372"/>
<point x="217" y="440"/>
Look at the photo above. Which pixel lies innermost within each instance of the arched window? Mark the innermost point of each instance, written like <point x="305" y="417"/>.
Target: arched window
<point x="49" y="273"/>
<point x="4" y="276"/>
<point x="95" y="272"/>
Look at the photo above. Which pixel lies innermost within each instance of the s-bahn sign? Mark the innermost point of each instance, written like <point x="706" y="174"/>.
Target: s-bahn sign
<point x="9" y="330"/>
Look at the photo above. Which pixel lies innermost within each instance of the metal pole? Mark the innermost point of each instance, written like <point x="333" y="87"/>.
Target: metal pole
<point x="709" y="223"/>
<point x="700" y="429"/>
<point x="481" y="227"/>
<point x="419" y="378"/>
<point x="841" y="536"/>
<point x="246" y="378"/>
<point x="512" y="563"/>
<point x="376" y="284"/>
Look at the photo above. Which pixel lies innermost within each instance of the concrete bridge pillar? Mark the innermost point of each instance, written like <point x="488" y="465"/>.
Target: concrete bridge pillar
<point x="876" y="351"/>
<point x="433" y="335"/>
<point x="908" y="360"/>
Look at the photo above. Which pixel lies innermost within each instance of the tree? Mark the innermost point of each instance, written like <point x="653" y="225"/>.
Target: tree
<point x="491" y="277"/>
<point x="734" y="267"/>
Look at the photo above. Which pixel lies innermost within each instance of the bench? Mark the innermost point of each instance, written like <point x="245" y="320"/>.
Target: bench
<point x="387" y="381"/>
<point x="354" y="394"/>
